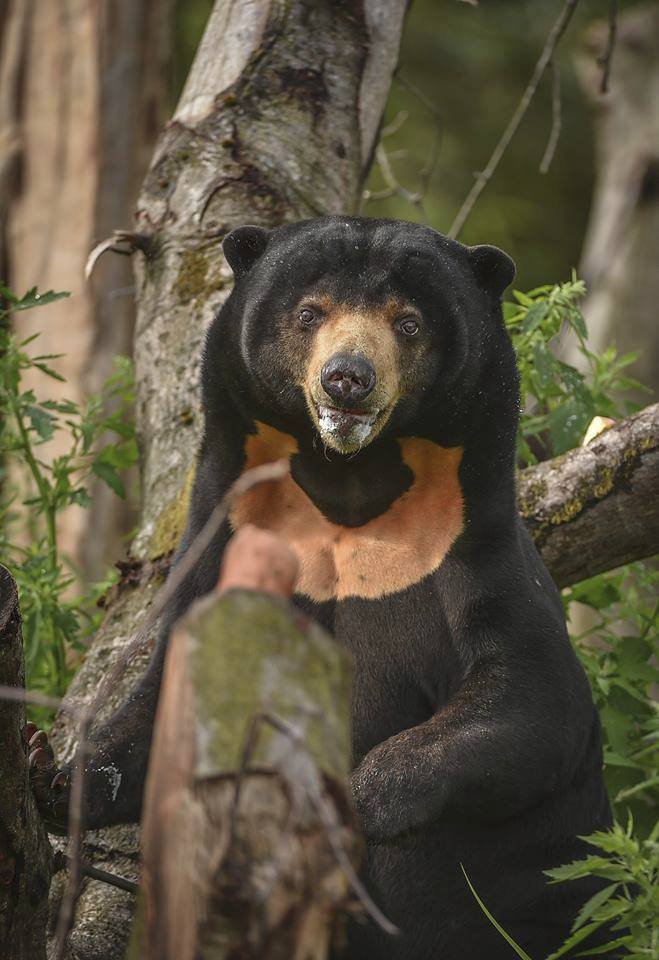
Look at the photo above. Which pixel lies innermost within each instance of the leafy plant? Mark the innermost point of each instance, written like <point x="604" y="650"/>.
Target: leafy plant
<point x="620" y="652"/>
<point x="559" y="401"/>
<point x="629" y="903"/>
<point x="100" y="442"/>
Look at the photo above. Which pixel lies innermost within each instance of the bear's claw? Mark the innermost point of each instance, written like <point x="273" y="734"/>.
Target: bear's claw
<point x="50" y="785"/>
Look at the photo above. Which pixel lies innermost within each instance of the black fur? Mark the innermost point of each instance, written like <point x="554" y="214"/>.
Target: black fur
<point x="475" y="737"/>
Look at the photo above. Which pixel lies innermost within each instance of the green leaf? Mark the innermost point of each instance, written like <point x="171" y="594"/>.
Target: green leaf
<point x="544" y="364"/>
<point x="506" y="936"/>
<point x="534" y="317"/>
<point x="592" y="904"/>
<point x="522" y="298"/>
<point x="35" y="299"/>
<point x="578" y="324"/>
<point x="576" y="869"/>
<point x="607" y="948"/>
<point x="575" y="939"/>
<point x="108" y="473"/>
<point x="6" y="294"/>
<point x="42" y="422"/>
<point x="49" y="371"/>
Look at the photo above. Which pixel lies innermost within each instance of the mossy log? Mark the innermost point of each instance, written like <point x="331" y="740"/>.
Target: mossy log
<point x="596" y="507"/>
<point x="25" y="854"/>
<point x="246" y="797"/>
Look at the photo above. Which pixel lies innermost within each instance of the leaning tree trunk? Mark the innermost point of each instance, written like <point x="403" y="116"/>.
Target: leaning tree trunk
<point x="83" y="95"/>
<point x="278" y="121"/>
<point x="619" y="261"/>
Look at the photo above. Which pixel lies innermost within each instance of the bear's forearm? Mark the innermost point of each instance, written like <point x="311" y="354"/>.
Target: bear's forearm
<point x="463" y="764"/>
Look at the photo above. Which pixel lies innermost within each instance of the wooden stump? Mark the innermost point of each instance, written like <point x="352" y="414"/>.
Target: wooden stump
<point x="246" y="814"/>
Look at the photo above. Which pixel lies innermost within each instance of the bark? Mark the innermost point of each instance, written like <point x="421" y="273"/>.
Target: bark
<point x="245" y="863"/>
<point x="25" y="855"/>
<point x="597" y="507"/>
<point x="82" y="99"/>
<point x="278" y="121"/>
<point x="620" y="249"/>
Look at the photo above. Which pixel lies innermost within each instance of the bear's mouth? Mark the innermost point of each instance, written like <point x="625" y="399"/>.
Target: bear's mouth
<point x="346" y="424"/>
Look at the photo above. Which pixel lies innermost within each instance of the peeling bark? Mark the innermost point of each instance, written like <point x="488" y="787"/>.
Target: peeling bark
<point x="595" y="508"/>
<point x="25" y="855"/>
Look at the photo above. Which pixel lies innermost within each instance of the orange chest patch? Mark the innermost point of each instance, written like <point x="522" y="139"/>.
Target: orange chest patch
<point x="382" y="556"/>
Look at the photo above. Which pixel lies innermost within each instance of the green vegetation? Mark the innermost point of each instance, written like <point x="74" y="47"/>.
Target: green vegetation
<point x="558" y="400"/>
<point x="34" y="490"/>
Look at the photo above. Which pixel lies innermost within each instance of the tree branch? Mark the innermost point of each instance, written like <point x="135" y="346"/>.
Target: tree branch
<point x="597" y="507"/>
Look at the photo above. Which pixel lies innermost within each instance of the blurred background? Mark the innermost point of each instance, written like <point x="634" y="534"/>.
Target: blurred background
<point x="85" y="89"/>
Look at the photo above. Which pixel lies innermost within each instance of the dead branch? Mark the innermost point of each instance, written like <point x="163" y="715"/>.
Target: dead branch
<point x="597" y="507"/>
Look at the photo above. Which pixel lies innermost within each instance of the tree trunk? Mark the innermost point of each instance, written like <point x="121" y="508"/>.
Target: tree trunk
<point x="278" y="121"/>
<point x="25" y="855"/>
<point x="619" y="260"/>
<point x="82" y="99"/>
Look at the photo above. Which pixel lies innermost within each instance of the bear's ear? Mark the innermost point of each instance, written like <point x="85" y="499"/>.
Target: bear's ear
<point x="243" y="247"/>
<point x="493" y="268"/>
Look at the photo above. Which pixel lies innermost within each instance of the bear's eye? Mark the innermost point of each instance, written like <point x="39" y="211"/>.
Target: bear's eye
<point x="409" y="326"/>
<point x="307" y="316"/>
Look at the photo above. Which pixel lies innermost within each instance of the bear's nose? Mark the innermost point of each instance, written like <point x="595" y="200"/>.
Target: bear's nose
<point x="347" y="378"/>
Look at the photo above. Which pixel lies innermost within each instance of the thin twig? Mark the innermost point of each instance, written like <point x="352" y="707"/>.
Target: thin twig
<point x="555" y="34"/>
<point x="62" y="862"/>
<point x="249" y="479"/>
<point x="21" y="695"/>
<point x="393" y="187"/>
<point x="556" y="118"/>
<point x="610" y="45"/>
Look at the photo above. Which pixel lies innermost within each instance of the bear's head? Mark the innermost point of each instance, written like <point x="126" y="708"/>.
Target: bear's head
<point x="356" y="328"/>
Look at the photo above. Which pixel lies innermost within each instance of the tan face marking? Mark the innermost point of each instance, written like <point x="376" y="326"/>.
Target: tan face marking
<point x="371" y="333"/>
<point x="383" y="556"/>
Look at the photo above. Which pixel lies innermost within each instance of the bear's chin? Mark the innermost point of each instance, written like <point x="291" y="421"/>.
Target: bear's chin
<point x="345" y="431"/>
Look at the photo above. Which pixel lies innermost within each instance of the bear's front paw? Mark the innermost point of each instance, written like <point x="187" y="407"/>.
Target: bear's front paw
<point x="50" y="785"/>
<point x="381" y="799"/>
<point x="396" y="790"/>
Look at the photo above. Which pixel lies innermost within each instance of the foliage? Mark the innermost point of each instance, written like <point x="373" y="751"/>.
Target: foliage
<point x="629" y="902"/>
<point x="101" y="443"/>
<point x="558" y="400"/>
<point x="620" y="653"/>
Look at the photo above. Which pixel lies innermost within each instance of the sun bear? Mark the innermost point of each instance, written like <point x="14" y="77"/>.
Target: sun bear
<point x="372" y="354"/>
